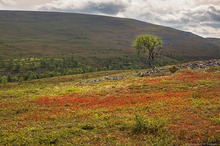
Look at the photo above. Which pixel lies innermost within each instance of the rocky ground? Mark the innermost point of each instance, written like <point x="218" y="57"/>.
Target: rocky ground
<point x="191" y="65"/>
<point x="200" y="64"/>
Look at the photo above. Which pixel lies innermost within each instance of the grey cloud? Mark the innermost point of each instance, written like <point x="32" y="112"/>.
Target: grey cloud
<point x="214" y="13"/>
<point x="109" y="8"/>
<point x="215" y="17"/>
<point x="56" y="9"/>
<point x="202" y="19"/>
<point x="212" y="24"/>
<point x="7" y="2"/>
<point x="206" y="2"/>
<point x="2" y="2"/>
<point x="204" y="30"/>
<point x="198" y="15"/>
<point x="203" y="14"/>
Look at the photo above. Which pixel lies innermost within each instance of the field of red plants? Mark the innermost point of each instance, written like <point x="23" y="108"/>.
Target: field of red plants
<point x="174" y="109"/>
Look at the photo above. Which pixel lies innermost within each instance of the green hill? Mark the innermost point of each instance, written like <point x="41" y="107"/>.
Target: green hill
<point x="36" y="45"/>
<point x="40" y="34"/>
<point x="215" y="41"/>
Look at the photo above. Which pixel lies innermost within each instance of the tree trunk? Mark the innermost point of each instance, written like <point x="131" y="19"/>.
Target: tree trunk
<point x="151" y="61"/>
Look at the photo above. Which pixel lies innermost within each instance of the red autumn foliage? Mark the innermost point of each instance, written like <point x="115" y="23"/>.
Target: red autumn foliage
<point x="192" y="76"/>
<point x="186" y="121"/>
<point x="78" y="102"/>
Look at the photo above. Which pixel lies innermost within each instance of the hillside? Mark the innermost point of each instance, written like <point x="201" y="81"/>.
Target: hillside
<point x="180" y="108"/>
<point x="90" y="38"/>
<point x="215" y="41"/>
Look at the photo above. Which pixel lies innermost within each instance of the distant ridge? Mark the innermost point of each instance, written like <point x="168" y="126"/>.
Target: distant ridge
<point x="39" y="34"/>
<point x="215" y="41"/>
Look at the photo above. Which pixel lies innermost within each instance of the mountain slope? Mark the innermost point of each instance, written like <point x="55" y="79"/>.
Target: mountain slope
<point x="215" y="41"/>
<point x="47" y="34"/>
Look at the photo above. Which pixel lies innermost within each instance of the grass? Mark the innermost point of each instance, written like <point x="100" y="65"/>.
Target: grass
<point x="153" y="110"/>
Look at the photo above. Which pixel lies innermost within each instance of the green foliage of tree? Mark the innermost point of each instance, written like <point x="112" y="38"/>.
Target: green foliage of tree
<point x="150" y="45"/>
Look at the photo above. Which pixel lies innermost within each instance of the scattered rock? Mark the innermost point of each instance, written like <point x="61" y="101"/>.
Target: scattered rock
<point x="114" y="78"/>
<point x="152" y="72"/>
<point x="107" y="78"/>
<point x="193" y="65"/>
<point x="200" y="64"/>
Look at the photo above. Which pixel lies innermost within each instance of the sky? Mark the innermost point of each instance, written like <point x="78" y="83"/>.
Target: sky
<point x="202" y="17"/>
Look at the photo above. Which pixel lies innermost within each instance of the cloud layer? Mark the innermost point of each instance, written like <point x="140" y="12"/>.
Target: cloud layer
<point x="198" y="16"/>
<point x="107" y="7"/>
<point x="5" y="3"/>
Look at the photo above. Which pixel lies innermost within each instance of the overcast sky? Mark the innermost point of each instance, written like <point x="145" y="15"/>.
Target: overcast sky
<point x="201" y="17"/>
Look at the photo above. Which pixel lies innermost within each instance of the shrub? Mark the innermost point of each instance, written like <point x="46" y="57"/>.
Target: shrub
<point x="196" y="94"/>
<point x="216" y="120"/>
<point x="49" y="139"/>
<point x="213" y="69"/>
<point x="173" y="69"/>
<point x="87" y="127"/>
<point x="147" y="126"/>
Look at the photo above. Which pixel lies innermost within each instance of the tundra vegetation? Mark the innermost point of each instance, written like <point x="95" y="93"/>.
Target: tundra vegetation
<point x="180" y="108"/>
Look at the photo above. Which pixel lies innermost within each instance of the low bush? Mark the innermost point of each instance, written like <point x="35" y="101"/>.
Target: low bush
<point x="173" y="69"/>
<point x="196" y="94"/>
<point x="147" y="126"/>
<point x="88" y="127"/>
